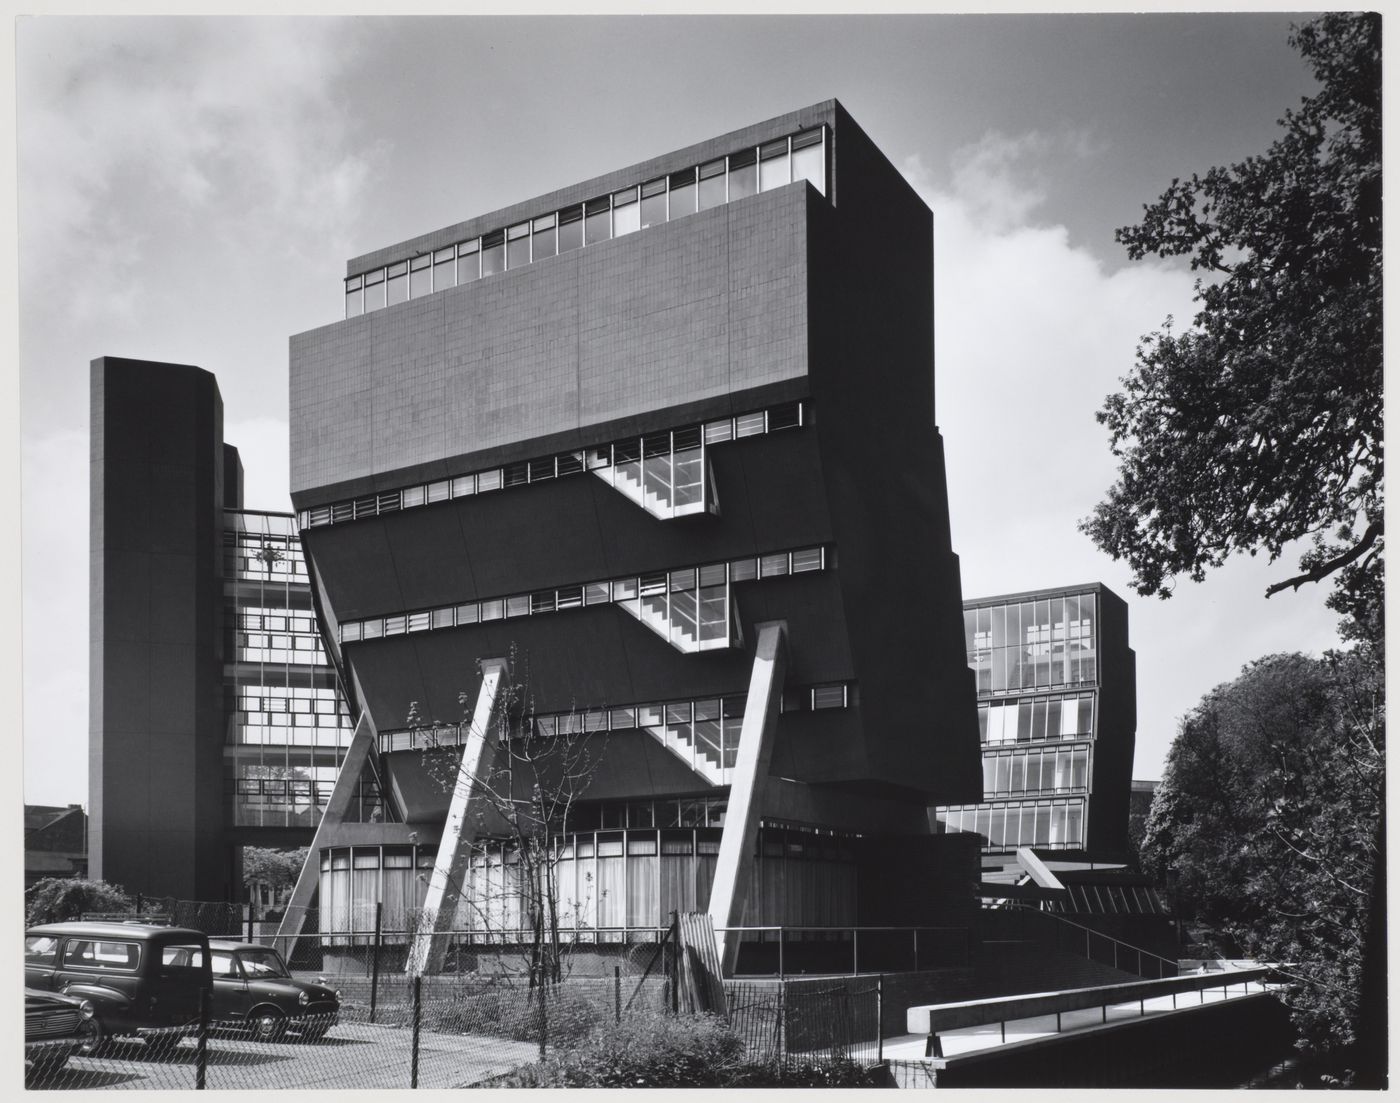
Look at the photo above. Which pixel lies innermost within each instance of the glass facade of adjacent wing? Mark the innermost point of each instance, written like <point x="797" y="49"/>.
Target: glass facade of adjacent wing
<point x="1036" y="663"/>
<point x="287" y="722"/>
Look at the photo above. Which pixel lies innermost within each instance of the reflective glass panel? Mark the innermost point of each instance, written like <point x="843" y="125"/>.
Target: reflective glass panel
<point x="808" y="160"/>
<point x="653" y="205"/>
<point x="420" y="276"/>
<point x="444" y="269"/>
<point x="773" y="171"/>
<point x="518" y="246"/>
<point x="570" y="229"/>
<point x="468" y="261"/>
<point x="712" y="186"/>
<point x="682" y="201"/>
<point x="544" y="241"/>
<point x="398" y="283"/>
<point x="743" y="174"/>
<point x="597" y="221"/>
<point x="493" y="253"/>
<point x="627" y="212"/>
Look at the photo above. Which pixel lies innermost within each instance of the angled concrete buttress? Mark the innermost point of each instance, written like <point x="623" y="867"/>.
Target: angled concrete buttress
<point x="458" y="833"/>
<point x="361" y="750"/>
<point x="734" y="869"/>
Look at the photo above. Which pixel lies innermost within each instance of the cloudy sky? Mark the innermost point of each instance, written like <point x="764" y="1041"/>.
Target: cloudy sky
<point x="189" y="190"/>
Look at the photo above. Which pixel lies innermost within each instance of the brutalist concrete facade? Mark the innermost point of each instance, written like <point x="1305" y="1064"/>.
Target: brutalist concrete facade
<point x="155" y="686"/>
<point x="794" y="295"/>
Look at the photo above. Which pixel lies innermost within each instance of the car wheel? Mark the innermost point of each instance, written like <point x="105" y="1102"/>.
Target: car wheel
<point x="92" y="1034"/>
<point x="267" y="1023"/>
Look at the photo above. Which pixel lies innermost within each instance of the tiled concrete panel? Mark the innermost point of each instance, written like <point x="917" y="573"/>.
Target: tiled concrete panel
<point x="767" y="321"/>
<point x="331" y="412"/>
<point x="511" y="365"/>
<point x="408" y="382"/>
<point x="653" y="317"/>
<point x="702" y="307"/>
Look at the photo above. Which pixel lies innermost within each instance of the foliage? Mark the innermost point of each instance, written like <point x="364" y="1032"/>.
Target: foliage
<point x="653" y="1049"/>
<point x="1265" y="825"/>
<point x="1263" y="423"/>
<point x="276" y="868"/>
<point x="57" y="898"/>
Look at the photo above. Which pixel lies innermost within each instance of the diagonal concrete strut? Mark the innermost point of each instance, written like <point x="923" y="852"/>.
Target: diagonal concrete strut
<point x="459" y="832"/>
<point x="734" y="869"/>
<point x="361" y="750"/>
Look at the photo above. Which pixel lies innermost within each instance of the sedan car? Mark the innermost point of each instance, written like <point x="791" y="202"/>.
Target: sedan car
<point x="55" y="1028"/>
<point x="254" y="987"/>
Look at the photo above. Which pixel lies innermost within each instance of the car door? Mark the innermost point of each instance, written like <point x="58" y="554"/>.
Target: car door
<point x="40" y="961"/>
<point x="231" y="1000"/>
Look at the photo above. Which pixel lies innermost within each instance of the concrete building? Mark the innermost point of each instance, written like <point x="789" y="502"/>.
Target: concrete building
<point x="1057" y="715"/>
<point x="214" y="716"/>
<point x="667" y="437"/>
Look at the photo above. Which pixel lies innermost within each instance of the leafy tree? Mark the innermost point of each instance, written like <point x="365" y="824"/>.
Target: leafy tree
<point x="1262" y="424"/>
<point x="57" y="898"/>
<point x="277" y="869"/>
<point x="1265" y="826"/>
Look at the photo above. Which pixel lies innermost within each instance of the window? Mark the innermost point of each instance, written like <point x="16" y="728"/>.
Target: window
<point x="354" y="297"/>
<point x="682" y="200"/>
<point x="493" y="253"/>
<point x="444" y="269"/>
<point x="570" y="228"/>
<point x="653" y="205"/>
<point x="420" y="276"/>
<point x="808" y="159"/>
<point x="544" y="241"/>
<point x="398" y="282"/>
<point x="40" y="950"/>
<point x="119" y="956"/>
<point x="743" y="174"/>
<point x="712" y="185"/>
<point x="374" y="290"/>
<point x="469" y="261"/>
<point x="773" y="169"/>
<point x="597" y="221"/>
<point x="518" y="245"/>
<point x="828" y="697"/>
<point x="627" y="212"/>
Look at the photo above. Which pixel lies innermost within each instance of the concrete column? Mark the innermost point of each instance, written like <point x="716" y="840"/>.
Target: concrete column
<point x="361" y="750"/>
<point x="458" y="833"/>
<point x="734" y="869"/>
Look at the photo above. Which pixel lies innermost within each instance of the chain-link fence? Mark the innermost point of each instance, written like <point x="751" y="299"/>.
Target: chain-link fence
<point x="444" y="1031"/>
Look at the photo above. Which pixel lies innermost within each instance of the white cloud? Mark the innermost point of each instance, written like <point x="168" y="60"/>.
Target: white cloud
<point x="1031" y="334"/>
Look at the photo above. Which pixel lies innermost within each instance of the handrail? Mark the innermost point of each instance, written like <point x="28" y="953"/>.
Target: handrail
<point x="1024" y="909"/>
<point x="930" y="1019"/>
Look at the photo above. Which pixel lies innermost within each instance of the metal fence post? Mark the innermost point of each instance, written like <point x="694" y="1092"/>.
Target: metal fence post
<point x="378" y="942"/>
<point x="880" y="1018"/>
<point x="417" y="1028"/>
<point x="855" y="951"/>
<point x="544" y="1019"/>
<point x="201" y="1052"/>
<point x="782" y="938"/>
<point x="617" y="993"/>
<point x="250" y="919"/>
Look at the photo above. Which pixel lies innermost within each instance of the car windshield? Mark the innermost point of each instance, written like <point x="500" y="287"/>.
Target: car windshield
<point x="262" y="963"/>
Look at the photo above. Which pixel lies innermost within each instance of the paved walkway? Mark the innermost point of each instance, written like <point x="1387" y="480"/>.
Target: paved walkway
<point x="352" y="1055"/>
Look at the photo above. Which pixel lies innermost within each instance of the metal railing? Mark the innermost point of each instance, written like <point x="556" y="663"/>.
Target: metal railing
<point x="1123" y="952"/>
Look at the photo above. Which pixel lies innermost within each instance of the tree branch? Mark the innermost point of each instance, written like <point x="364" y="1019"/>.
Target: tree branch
<point x="1373" y="533"/>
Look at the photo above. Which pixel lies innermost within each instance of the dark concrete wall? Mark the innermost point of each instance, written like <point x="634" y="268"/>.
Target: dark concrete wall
<point x="693" y="309"/>
<point x="1116" y="736"/>
<point x="156" y="722"/>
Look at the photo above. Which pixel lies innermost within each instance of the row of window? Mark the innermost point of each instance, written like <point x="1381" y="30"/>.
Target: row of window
<point x="1037" y="719"/>
<point x="259" y="698"/>
<point x="262" y="621"/>
<point x="697" y="188"/>
<point x="248" y="732"/>
<point x="309" y="655"/>
<point x="1044" y="823"/>
<point x="1038" y="771"/>
<point x="627" y="592"/>
<point x="1033" y="644"/>
<point x="619" y="453"/>
<point x="707" y="711"/>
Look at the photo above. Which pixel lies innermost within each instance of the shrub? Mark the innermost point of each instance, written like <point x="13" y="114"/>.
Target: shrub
<point x="646" y="1050"/>
<point x="56" y="898"/>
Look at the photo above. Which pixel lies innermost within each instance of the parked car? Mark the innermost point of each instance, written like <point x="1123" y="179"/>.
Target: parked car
<point x="142" y="980"/>
<point x="55" y="1028"/>
<point x="253" y="986"/>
